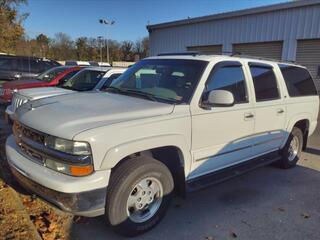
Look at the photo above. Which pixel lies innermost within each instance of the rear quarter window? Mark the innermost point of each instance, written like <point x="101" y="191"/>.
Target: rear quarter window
<point x="298" y="81"/>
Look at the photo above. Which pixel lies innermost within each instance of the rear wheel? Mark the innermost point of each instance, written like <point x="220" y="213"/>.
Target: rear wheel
<point x="139" y="195"/>
<point x="292" y="150"/>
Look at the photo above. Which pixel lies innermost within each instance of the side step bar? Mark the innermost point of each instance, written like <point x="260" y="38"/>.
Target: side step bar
<point x="230" y="172"/>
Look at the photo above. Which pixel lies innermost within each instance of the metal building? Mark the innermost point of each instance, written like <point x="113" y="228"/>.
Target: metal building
<point x="287" y="31"/>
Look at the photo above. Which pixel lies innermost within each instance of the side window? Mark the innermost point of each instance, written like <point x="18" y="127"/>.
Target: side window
<point x="67" y="76"/>
<point x="265" y="82"/>
<point x="30" y="65"/>
<point x="298" y="80"/>
<point x="7" y="63"/>
<point x="110" y="80"/>
<point x="230" y="78"/>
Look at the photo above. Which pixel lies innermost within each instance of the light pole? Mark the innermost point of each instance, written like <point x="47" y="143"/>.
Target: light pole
<point x="107" y="22"/>
<point x="100" y="40"/>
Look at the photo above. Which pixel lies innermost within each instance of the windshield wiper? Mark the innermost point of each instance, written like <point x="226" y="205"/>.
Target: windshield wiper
<point x="132" y="92"/>
<point x="143" y="94"/>
<point x="115" y="89"/>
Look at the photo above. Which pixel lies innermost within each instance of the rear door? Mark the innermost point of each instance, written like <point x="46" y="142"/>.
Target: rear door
<point x="270" y="111"/>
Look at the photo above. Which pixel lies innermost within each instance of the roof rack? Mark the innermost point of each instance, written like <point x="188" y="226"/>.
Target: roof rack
<point x="232" y="54"/>
<point x="241" y="55"/>
<point x="191" y="53"/>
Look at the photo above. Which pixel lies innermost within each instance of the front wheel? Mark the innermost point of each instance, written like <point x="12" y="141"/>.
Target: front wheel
<point x="292" y="150"/>
<point x="138" y="196"/>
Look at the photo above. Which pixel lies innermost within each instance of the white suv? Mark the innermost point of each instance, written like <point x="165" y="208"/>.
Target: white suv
<point x="168" y="125"/>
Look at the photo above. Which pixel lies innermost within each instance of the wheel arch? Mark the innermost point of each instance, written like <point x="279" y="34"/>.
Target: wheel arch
<point x="302" y="122"/>
<point x="171" y="150"/>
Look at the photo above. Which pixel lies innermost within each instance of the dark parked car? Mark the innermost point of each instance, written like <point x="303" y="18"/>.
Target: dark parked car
<point x="18" y="67"/>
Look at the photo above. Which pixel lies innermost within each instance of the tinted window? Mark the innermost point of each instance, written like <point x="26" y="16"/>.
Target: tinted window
<point x="110" y="80"/>
<point x="49" y="75"/>
<point x="167" y="80"/>
<point x="230" y="78"/>
<point x="7" y="63"/>
<point x="298" y="80"/>
<point x="30" y="65"/>
<point x="84" y="81"/>
<point x="265" y="83"/>
<point x="68" y="76"/>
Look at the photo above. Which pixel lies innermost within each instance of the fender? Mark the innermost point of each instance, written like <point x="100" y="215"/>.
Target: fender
<point x="117" y="153"/>
<point x="293" y="120"/>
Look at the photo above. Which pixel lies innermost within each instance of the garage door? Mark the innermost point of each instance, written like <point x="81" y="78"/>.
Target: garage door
<point x="308" y="54"/>
<point x="215" y="49"/>
<point x="271" y="50"/>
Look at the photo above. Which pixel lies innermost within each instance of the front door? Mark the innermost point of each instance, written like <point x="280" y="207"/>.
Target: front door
<point x="222" y="136"/>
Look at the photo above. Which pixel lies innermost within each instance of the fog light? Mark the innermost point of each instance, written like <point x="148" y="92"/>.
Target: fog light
<point x="73" y="170"/>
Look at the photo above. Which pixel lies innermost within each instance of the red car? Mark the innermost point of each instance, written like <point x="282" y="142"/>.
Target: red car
<point x="52" y="77"/>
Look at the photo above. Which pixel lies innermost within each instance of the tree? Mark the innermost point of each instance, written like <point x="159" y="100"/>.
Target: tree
<point x="43" y="44"/>
<point x="11" y="29"/>
<point x="126" y="48"/>
<point x="145" y="44"/>
<point x="62" y="47"/>
<point x="82" y="48"/>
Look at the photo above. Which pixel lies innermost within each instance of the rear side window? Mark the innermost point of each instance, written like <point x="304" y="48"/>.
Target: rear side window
<point x="8" y="64"/>
<point x="30" y="65"/>
<point x="230" y="78"/>
<point x="265" y="82"/>
<point x="298" y="80"/>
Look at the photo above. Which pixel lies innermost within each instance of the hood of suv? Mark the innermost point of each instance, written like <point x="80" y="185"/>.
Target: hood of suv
<point x="42" y="92"/>
<point x="65" y="116"/>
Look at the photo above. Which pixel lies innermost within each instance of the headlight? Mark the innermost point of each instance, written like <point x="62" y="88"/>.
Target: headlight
<point x="68" y="146"/>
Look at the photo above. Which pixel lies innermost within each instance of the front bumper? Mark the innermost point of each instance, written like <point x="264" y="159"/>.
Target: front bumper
<point x="84" y="196"/>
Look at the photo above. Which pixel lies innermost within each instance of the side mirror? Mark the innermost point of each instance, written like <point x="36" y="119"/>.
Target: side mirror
<point x="220" y="98"/>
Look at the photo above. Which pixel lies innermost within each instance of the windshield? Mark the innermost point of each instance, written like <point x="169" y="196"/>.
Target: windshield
<point x="167" y="80"/>
<point x="85" y="80"/>
<point x="51" y="74"/>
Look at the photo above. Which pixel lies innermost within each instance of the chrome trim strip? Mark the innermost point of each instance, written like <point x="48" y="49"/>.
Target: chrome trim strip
<point x="239" y="149"/>
<point x="223" y="153"/>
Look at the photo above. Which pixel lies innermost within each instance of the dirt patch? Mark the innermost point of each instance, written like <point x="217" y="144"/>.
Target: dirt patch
<point x="18" y="207"/>
<point x="14" y="220"/>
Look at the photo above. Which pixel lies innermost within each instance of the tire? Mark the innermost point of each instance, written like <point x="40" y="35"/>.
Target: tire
<point x="290" y="159"/>
<point x="125" y="184"/>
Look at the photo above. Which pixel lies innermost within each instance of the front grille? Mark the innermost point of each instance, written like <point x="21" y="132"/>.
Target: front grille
<point x="17" y="101"/>
<point x="23" y="136"/>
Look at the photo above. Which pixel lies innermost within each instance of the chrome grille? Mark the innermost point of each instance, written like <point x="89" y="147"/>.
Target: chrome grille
<point x="23" y="135"/>
<point x="17" y="101"/>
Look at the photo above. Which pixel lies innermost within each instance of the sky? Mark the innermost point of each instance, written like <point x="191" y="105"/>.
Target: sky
<point x="80" y="18"/>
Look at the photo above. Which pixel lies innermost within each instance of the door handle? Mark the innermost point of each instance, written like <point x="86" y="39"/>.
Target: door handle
<point x="280" y="111"/>
<point x="248" y="116"/>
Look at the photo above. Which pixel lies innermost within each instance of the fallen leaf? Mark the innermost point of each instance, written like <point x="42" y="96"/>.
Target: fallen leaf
<point x="305" y="215"/>
<point x="281" y="209"/>
<point x="234" y="235"/>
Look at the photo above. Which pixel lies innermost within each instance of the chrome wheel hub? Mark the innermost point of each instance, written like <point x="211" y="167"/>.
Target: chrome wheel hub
<point x="144" y="200"/>
<point x="293" y="148"/>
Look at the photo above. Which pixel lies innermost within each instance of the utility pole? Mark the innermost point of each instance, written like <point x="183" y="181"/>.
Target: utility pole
<point x="100" y="41"/>
<point x="107" y="22"/>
